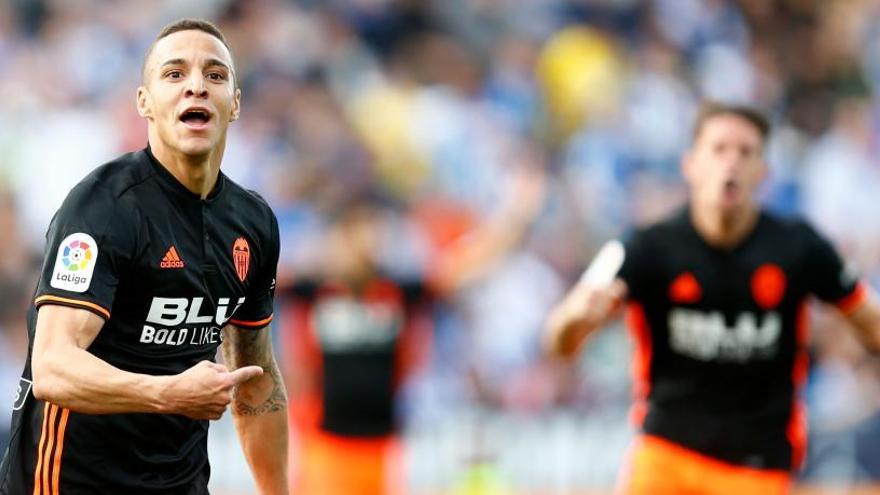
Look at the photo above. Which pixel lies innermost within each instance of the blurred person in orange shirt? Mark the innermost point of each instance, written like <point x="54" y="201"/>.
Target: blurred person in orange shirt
<point x="353" y="333"/>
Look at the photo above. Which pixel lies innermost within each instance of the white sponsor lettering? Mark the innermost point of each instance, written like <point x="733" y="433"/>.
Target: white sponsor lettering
<point x="178" y="336"/>
<point x="173" y="311"/>
<point x="173" y="337"/>
<point x="706" y="336"/>
<point x="167" y="313"/>
<point x="193" y="316"/>
<point x="222" y="308"/>
<point x="167" y="310"/>
<point x="346" y="324"/>
<point x="206" y="335"/>
<point x="148" y="334"/>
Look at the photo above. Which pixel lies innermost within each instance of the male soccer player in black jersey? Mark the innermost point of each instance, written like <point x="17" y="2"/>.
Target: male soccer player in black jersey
<point x="717" y="307"/>
<point x="152" y="262"/>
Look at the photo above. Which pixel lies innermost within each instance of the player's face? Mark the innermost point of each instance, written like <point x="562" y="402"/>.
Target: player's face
<point x="353" y="245"/>
<point x="725" y="165"/>
<point x="189" y="95"/>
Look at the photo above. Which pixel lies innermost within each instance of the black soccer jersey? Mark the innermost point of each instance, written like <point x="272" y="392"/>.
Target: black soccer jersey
<point x="167" y="271"/>
<point x="721" y="335"/>
<point x="358" y="340"/>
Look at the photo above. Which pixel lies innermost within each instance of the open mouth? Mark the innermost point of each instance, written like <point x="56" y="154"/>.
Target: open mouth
<point x="731" y="187"/>
<point x="195" y="117"/>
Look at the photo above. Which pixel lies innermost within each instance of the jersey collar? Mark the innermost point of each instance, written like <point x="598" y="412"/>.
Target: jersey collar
<point x="684" y="216"/>
<point x="167" y="178"/>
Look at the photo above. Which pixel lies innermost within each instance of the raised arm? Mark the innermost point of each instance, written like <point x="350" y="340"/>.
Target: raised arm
<point x="66" y="374"/>
<point x="259" y="407"/>
<point x="473" y="255"/>
<point x="864" y="318"/>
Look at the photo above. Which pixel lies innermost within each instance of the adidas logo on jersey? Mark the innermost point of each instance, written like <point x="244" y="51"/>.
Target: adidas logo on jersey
<point x="171" y="259"/>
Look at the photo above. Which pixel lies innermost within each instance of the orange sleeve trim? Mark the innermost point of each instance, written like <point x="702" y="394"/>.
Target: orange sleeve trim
<point x="855" y="299"/>
<point x="95" y="308"/>
<point x="252" y="324"/>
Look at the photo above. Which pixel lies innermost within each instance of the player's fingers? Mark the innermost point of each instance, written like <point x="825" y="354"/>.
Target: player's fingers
<point x="218" y="412"/>
<point x="217" y="366"/>
<point x="213" y="415"/>
<point x="213" y="411"/>
<point x="210" y="365"/>
<point x="245" y="373"/>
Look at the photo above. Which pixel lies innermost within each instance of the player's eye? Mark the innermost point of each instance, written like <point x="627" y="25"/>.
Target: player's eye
<point x="174" y="74"/>
<point x="216" y="76"/>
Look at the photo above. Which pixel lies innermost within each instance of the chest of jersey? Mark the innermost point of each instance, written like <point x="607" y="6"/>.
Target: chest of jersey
<point x="726" y="307"/>
<point x="192" y="273"/>
<point x="358" y="324"/>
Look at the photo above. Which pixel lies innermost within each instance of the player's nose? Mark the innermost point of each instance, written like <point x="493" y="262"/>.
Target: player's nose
<point x="195" y="85"/>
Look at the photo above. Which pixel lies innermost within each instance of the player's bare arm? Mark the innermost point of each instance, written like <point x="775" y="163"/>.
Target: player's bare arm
<point x="865" y="320"/>
<point x="469" y="259"/>
<point x="66" y="374"/>
<point x="586" y="308"/>
<point x="589" y="305"/>
<point x="259" y="407"/>
<point x="243" y="347"/>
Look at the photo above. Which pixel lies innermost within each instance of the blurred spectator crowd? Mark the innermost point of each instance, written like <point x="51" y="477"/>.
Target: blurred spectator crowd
<point x="431" y="106"/>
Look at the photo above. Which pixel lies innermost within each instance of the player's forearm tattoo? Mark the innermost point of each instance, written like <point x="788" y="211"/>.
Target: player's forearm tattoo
<point x="277" y="400"/>
<point x="250" y="347"/>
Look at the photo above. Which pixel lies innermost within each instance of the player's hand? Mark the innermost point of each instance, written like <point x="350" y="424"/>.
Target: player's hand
<point x="594" y="304"/>
<point x="587" y="307"/>
<point x="205" y="390"/>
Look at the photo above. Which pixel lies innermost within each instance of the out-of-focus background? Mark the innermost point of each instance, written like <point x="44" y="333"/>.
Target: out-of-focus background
<point x="433" y="106"/>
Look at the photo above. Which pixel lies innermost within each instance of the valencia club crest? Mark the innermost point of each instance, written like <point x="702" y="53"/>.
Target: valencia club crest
<point x="241" y="256"/>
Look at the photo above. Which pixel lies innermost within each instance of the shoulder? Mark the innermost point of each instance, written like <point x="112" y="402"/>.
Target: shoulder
<point x="247" y="200"/>
<point x="118" y="176"/>
<point x="251" y="208"/>
<point x="790" y="229"/>
<point x="671" y="228"/>
<point x="101" y="192"/>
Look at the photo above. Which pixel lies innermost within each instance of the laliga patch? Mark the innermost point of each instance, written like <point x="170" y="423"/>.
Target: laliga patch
<point x="21" y="395"/>
<point x="75" y="263"/>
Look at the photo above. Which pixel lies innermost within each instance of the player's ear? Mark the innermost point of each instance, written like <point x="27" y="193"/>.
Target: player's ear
<point x="143" y="103"/>
<point x="236" y="105"/>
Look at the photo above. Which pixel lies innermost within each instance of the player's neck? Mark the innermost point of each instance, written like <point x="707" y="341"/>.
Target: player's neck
<point x="721" y="229"/>
<point x="196" y="173"/>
